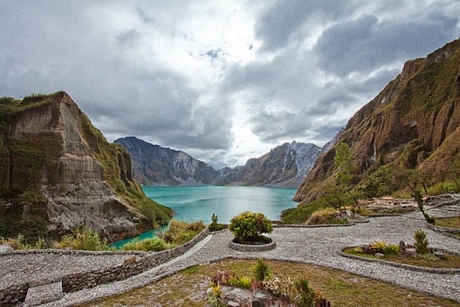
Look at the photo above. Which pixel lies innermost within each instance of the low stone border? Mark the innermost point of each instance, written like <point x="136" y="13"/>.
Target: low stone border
<point x="16" y="294"/>
<point x="404" y="266"/>
<point x="72" y="252"/>
<point x="252" y="248"/>
<point x="312" y="226"/>
<point x="447" y="231"/>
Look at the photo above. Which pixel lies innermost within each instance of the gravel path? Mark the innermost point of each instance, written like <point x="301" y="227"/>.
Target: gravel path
<point x="317" y="246"/>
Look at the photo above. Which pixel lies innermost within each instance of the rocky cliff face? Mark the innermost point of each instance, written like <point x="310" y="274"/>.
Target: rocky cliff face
<point x="155" y="165"/>
<point x="58" y="173"/>
<point x="413" y="122"/>
<point x="283" y="166"/>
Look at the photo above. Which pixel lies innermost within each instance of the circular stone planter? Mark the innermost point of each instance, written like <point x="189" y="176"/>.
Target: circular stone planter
<point x="260" y="247"/>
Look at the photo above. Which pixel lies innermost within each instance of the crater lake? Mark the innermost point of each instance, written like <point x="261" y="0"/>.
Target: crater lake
<point x="195" y="203"/>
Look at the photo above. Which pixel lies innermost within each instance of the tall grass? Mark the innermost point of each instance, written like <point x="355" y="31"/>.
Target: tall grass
<point x="83" y="238"/>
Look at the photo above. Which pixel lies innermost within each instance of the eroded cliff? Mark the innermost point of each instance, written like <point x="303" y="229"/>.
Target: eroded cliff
<point x="58" y="173"/>
<point x="413" y="122"/>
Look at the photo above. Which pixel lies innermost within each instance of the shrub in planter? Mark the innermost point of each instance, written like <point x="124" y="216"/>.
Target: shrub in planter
<point x="248" y="227"/>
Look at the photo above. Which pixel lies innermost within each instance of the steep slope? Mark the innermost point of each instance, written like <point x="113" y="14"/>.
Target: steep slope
<point x="155" y="165"/>
<point x="283" y="166"/>
<point x="58" y="172"/>
<point x="413" y="122"/>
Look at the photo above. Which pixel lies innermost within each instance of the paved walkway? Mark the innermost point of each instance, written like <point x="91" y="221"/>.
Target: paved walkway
<point x="317" y="246"/>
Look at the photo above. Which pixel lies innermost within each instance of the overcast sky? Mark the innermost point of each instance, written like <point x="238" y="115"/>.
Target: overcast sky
<point x="224" y="81"/>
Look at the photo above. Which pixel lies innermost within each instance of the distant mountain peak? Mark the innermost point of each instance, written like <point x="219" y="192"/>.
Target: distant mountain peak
<point x="285" y="165"/>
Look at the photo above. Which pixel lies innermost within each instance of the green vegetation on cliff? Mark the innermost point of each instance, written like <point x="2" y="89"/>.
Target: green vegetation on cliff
<point x="34" y="134"/>
<point x="411" y="127"/>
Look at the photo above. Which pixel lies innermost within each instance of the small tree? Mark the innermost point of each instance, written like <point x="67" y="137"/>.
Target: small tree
<point x="421" y="242"/>
<point x="261" y="270"/>
<point x="249" y="226"/>
<point x="412" y="178"/>
<point x="214" y="226"/>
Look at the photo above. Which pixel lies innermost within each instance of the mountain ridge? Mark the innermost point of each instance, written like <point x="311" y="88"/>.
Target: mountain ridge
<point x="283" y="166"/>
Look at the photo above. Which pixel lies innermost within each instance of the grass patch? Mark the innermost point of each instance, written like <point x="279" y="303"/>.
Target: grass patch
<point x="187" y="288"/>
<point x="179" y="232"/>
<point x="451" y="222"/>
<point x="431" y="261"/>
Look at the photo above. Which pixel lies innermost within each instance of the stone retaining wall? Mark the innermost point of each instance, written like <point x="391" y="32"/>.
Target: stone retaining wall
<point x="14" y="295"/>
<point x="79" y="281"/>
<point x="137" y="263"/>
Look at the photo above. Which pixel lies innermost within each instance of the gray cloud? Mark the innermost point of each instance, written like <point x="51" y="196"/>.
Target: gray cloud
<point x="365" y="43"/>
<point x="284" y="18"/>
<point x="149" y="69"/>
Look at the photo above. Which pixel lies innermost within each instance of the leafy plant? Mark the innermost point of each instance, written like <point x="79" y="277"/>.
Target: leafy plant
<point x="305" y="295"/>
<point x="84" y="238"/>
<point x="154" y="244"/>
<point x="215" y="296"/>
<point x="261" y="270"/>
<point x="221" y="278"/>
<point x="242" y="282"/>
<point x="280" y="286"/>
<point x="421" y="242"/>
<point x="214" y="226"/>
<point x="249" y="226"/>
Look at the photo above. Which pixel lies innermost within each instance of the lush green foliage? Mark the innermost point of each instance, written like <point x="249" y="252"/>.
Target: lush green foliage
<point x="249" y="226"/>
<point x="301" y="214"/>
<point x="261" y="270"/>
<point x="306" y="295"/>
<point x="421" y="242"/>
<point x="20" y="243"/>
<point x="243" y="282"/>
<point x="179" y="232"/>
<point x="30" y="156"/>
<point x="214" y="226"/>
<point x="147" y="245"/>
<point x="83" y="238"/>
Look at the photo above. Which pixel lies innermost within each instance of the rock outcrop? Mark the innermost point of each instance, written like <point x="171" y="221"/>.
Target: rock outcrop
<point x="58" y="173"/>
<point x="283" y="166"/>
<point x="413" y="122"/>
<point x="156" y="165"/>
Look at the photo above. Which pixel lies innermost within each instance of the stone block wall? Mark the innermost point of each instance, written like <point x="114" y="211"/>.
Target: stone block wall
<point x="15" y="295"/>
<point x="79" y="281"/>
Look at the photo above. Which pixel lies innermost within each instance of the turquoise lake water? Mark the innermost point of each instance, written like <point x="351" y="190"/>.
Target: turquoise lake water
<point x="200" y="202"/>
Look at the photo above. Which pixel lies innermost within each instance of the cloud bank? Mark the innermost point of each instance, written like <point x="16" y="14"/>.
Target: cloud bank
<point x="224" y="82"/>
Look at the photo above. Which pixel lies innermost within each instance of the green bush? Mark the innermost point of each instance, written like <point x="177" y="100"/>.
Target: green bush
<point x="214" y="226"/>
<point x="306" y="295"/>
<point x="261" y="270"/>
<point x="249" y="226"/>
<point x="421" y="242"/>
<point x="242" y="282"/>
<point x="148" y="245"/>
<point x="180" y="232"/>
<point x="84" y="238"/>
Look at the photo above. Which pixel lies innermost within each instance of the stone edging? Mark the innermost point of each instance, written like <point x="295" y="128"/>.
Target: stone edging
<point x="252" y="248"/>
<point x="402" y="265"/>
<point x="311" y="226"/>
<point x="447" y="231"/>
<point x="73" y="252"/>
<point x="78" y="281"/>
